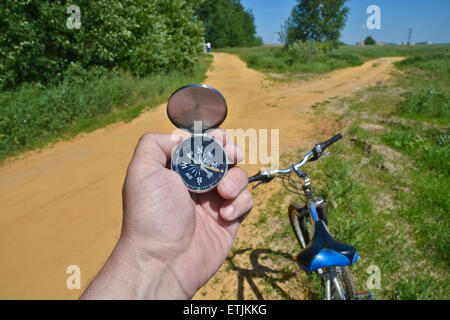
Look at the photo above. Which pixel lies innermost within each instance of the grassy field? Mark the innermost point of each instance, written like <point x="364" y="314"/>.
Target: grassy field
<point x="400" y="196"/>
<point x="386" y="185"/>
<point x="34" y="115"/>
<point x="276" y="59"/>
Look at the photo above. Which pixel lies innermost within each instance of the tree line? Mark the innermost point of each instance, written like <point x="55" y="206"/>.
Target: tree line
<point x="139" y="36"/>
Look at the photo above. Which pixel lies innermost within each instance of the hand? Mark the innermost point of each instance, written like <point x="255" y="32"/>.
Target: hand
<point x="172" y="242"/>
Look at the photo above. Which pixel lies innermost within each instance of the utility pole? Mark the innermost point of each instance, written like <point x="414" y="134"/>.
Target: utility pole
<point x="409" y="36"/>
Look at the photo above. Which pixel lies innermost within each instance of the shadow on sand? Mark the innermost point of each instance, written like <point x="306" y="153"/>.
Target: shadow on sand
<point x="257" y="270"/>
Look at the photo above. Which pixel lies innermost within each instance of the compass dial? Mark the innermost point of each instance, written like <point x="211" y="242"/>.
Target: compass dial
<point x="201" y="162"/>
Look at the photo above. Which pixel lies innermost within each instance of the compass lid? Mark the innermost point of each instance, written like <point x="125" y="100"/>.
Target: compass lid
<point x="197" y="103"/>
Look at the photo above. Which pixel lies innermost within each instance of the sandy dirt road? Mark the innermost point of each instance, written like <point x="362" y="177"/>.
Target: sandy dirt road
<point x="62" y="206"/>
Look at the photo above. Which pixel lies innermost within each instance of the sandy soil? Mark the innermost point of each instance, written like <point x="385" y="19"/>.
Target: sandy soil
<point x="62" y="206"/>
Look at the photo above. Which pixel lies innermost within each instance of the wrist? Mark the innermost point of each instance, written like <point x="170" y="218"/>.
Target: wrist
<point x="131" y="274"/>
<point x="154" y="277"/>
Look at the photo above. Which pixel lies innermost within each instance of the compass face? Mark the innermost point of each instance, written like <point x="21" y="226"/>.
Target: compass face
<point x="201" y="162"/>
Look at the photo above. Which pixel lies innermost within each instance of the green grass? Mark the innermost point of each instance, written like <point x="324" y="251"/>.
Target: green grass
<point x="386" y="184"/>
<point x="34" y="115"/>
<point x="419" y="237"/>
<point x="277" y="60"/>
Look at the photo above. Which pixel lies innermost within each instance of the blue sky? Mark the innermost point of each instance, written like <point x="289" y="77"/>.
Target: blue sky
<point x="429" y="19"/>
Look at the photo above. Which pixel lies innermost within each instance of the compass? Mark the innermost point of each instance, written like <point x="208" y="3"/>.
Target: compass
<point x="200" y="160"/>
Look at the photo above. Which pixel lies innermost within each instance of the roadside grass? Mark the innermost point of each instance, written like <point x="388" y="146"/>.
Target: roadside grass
<point x="275" y="59"/>
<point x="33" y="116"/>
<point x="386" y="187"/>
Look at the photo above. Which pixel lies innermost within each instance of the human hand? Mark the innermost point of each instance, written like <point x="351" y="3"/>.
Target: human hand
<point x="172" y="242"/>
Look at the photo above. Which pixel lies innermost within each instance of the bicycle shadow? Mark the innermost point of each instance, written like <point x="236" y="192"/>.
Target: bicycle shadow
<point x="260" y="271"/>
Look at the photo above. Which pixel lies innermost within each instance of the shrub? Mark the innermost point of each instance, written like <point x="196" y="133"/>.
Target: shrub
<point x="142" y="36"/>
<point x="305" y="51"/>
<point x="34" y="114"/>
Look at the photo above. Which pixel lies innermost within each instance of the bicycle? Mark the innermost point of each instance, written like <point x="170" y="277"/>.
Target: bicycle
<point x="320" y="253"/>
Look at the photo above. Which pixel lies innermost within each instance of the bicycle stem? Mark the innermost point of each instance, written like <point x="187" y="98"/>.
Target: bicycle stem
<point x="308" y="194"/>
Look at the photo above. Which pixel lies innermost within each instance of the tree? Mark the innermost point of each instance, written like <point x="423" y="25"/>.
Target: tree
<point x="228" y="24"/>
<point x="318" y="20"/>
<point x="369" y="41"/>
<point x="137" y="35"/>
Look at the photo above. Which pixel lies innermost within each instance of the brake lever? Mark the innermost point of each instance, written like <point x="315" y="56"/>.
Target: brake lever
<point x="261" y="182"/>
<point x="256" y="185"/>
<point x="318" y="155"/>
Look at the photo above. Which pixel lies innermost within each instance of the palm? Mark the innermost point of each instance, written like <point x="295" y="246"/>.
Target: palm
<point x="172" y="242"/>
<point x="189" y="229"/>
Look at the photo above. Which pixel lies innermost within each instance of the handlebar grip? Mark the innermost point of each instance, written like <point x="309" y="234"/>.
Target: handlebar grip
<point x="326" y="144"/>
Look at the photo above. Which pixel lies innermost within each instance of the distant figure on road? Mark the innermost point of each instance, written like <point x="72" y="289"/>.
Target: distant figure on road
<point x="208" y="46"/>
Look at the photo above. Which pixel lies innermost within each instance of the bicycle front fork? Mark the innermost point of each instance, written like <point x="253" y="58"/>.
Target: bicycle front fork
<point x="329" y="278"/>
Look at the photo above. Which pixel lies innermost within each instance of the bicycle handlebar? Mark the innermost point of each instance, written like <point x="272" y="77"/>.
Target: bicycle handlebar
<point x="314" y="154"/>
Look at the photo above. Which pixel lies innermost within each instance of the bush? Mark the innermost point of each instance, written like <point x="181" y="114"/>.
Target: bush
<point x="33" y="114"/>
<point x="305" y="51"/>
<point x="141" y="36"/>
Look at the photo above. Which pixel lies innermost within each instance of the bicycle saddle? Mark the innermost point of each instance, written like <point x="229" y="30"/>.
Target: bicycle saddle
<point x="323" y="251"/>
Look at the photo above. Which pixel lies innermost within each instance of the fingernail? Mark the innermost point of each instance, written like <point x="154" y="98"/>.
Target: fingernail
<point x="228" y="211"/>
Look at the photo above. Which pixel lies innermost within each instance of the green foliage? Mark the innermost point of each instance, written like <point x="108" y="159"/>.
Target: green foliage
<point x="300" y="57"/>
<point x="278" y="60"/>
<point x="429" y="210"/>
<point x="369" y="41"/>
<point x="436" y="65"/>
<point x="428" y="96"/>
<point x="315" y="20"/>
<point x="33" y="115"/>
<point x="383" y="235"/>
<point x="228" y="24"/>
<point x="141" y="36"/>
<point x="305" y="51"/>
<point x="387" y="187"/>
<point x="166" y="38"/>
<point x="424" y="140"/>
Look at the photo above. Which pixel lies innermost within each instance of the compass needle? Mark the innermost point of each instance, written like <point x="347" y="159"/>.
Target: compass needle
<point x="212" y="168"/>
